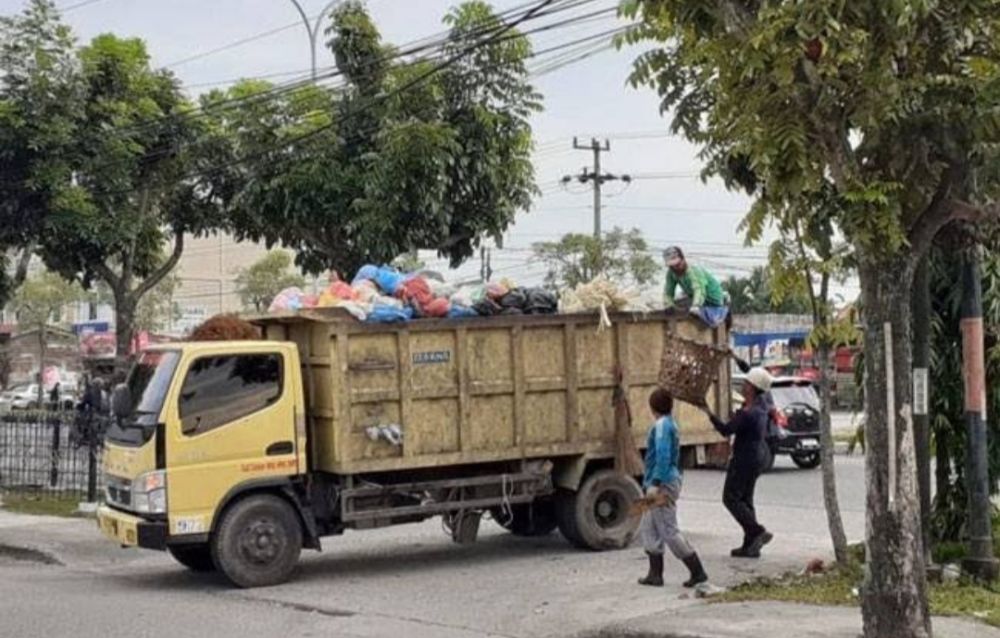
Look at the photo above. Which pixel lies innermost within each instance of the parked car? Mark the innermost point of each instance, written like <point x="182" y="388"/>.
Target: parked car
<point x="796" y="429"/>
<point x="20" y="397"/>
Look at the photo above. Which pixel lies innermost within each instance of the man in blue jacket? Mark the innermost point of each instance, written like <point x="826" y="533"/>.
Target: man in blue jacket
<point x="749" y="429"/>
<point x="662" y="482"/>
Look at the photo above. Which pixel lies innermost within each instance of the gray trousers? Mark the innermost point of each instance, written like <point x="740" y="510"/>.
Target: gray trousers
<point x="658" y="527"/>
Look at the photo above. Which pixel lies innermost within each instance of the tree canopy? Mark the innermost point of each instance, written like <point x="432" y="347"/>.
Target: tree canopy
<point x="754" y="294"/>
<point x="620" y="255"/>
<point x="408" y="155"/>
<point x="260" y="282"/>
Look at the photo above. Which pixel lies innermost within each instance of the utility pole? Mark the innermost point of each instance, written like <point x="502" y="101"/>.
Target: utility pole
<point x="486" y="266"/>
<point x="595" y="177"/>
<point x="980" y="561"/>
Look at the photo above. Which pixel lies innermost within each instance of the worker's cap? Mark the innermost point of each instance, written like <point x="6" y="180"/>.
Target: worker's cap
<point x="760" y="379"/>
<point x="673" y="255"/>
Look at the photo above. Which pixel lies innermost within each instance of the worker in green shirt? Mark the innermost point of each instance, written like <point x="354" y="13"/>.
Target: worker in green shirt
<point x="704" y="293"/>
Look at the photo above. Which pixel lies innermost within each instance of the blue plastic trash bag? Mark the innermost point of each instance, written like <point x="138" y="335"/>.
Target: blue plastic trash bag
<point x="389" y="314"/>
<point x="458" y="312"/>
<point x="366" y="273"/>
<point x="388" y="279"/>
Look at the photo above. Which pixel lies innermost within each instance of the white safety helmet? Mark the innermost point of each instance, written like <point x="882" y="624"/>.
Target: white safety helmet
<point x="760" y="379"/>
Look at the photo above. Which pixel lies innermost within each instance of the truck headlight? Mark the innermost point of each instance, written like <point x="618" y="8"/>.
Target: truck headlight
<point x="149" y="493"/>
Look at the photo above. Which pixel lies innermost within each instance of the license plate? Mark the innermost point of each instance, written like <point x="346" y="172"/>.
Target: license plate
<point x="809" y="444"/>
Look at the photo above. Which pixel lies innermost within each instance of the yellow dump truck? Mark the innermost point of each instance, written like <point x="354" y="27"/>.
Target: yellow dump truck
<point x="234" y="455"/>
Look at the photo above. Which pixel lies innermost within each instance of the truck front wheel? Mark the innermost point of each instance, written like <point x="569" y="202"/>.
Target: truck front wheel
<point x="197" y="558"/>
<point x="258" y="541"/>
<point x="597" y="515"/>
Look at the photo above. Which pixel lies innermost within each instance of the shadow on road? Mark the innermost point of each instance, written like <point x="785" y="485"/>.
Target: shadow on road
<point x="371" y="559"/>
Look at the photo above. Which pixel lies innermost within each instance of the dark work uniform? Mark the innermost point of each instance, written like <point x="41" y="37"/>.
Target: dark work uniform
<point x="749" y="426"/>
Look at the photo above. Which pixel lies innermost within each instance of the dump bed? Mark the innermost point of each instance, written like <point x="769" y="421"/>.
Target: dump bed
<point x="482" y="389"/>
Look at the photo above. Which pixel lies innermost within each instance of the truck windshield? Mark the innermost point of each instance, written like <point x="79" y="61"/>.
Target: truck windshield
<point x="148" y="383"/>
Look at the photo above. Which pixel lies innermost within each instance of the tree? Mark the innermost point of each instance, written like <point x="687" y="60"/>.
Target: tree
<point x="143" y="180"/>
<point x="619" y="255"/>
<point x="807" y="256"/>
<point x="890" y="106"/>
<point x="258" y="284"/>
<point x="408" y="155"/>
<point x="39" y="103"/>
<point x="37" y="302"/>
<point x="753" y="295"/>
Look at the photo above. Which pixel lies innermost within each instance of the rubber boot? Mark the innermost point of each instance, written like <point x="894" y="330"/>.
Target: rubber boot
<point x="698" y="575"/>
<point x="655" y="576"/>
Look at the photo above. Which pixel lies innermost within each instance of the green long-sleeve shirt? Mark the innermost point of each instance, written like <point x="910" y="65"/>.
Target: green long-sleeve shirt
<point x="700" y="286"/>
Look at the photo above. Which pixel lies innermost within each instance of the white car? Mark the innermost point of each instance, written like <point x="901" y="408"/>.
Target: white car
<point x="21" y="397"/>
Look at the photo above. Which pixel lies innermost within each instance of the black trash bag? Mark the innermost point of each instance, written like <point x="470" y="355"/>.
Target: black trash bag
<point x="516" y="298"/>
<point x="511" y="311"/>
<point x="487" y="308"/>
<point x="541" y="302"/>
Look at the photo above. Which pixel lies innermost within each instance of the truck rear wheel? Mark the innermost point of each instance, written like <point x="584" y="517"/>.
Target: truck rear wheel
<point x="597" y="515"/>
<point x="537" y="518"/>
<point x="258" y="541"/>
<point x="197" y="558"/>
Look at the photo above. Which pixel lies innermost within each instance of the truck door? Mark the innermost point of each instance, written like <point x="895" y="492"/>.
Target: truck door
<point x="232" y="421"/>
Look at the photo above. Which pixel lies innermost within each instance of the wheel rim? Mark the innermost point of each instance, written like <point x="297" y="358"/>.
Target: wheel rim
<point x="610" y="509"/>
<point x="262" y="542"/>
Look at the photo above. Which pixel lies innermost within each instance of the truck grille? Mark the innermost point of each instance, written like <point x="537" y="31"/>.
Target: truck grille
<point x="118" y="491"/>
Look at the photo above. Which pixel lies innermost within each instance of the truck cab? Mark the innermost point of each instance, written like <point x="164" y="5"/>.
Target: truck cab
<point x="198" y="423"/>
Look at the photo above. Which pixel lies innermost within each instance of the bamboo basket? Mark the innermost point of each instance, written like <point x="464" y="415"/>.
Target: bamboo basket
<point x="688" y="368"/>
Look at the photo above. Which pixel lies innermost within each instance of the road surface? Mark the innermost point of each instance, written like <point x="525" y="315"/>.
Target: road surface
<point x="410" y="580"/>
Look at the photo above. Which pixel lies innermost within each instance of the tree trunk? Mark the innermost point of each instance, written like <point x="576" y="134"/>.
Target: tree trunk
<point x="830" y="502"/>
<point x="894" y="594"/>
<point x="921" y="307"/>
<point x="125" y="307"/>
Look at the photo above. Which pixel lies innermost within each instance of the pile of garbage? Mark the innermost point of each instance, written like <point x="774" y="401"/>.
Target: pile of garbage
<point x="381" y="294"/>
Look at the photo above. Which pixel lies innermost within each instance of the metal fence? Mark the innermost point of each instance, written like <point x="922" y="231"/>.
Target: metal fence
<point x="51" y="454"/>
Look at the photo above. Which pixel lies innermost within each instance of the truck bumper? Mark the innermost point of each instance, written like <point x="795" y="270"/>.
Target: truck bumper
<point x="131" y="531"/>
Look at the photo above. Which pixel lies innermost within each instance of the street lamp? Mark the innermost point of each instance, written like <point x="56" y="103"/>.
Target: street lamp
<point x="312" y="28"/>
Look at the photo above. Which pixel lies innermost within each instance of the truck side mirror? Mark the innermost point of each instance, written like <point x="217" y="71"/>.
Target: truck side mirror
<point x="121" y="401"/>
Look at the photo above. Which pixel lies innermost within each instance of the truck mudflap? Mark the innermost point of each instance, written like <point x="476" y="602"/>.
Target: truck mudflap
<point x="131" y="531"/>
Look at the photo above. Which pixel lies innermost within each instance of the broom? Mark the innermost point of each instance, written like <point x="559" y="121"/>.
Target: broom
<point x="627" y="459"/>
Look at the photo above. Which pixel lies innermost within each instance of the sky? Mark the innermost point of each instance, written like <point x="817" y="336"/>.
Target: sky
<point x="199" y="40"/>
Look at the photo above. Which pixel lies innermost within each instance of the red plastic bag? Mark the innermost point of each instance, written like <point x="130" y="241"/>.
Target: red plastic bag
<point x="436" y="308"/>
<point x="342" y="290"/>
<point x="416" y="292"/>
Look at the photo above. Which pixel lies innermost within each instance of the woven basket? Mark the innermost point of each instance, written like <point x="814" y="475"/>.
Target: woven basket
<point x="688" y="368"/>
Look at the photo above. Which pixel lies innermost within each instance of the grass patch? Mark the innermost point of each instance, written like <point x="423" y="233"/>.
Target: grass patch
<point x="39" y="505"/>
<point x="838" y="585"/>
<point x="953" y="552"/>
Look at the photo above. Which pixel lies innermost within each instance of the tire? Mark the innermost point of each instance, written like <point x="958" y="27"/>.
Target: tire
<point x="597" y="516"/>
<point x="808" y="461"/>
<point x="197" y="558"/>
<point x="537" y="518"/>
<point x="258" y="542"/>
<point x="767" y="463"/>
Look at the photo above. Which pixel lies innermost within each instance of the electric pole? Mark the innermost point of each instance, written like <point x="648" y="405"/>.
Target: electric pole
<point x="980" y="561"/>
<point x="595" y="176"/>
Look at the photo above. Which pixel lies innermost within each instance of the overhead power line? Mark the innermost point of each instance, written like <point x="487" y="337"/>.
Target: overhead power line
<point x="78" y="5"/>
<point x="499" y="31"/>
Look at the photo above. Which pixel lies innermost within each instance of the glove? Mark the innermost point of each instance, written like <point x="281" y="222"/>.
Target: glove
<point x="695" y="310"/>
<point x="653" y="491"/>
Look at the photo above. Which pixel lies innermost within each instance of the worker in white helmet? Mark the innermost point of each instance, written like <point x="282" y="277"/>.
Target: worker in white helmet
<point x="749" y="429"/>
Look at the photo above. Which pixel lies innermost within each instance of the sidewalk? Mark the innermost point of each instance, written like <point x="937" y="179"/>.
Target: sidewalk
<point x="768" y="620"/>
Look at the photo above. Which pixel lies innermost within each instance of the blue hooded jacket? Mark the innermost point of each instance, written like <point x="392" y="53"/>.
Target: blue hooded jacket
<point x="663" y="453"/>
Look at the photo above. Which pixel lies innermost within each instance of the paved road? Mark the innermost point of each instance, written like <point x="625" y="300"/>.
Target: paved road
<point x="411" y="580"/>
